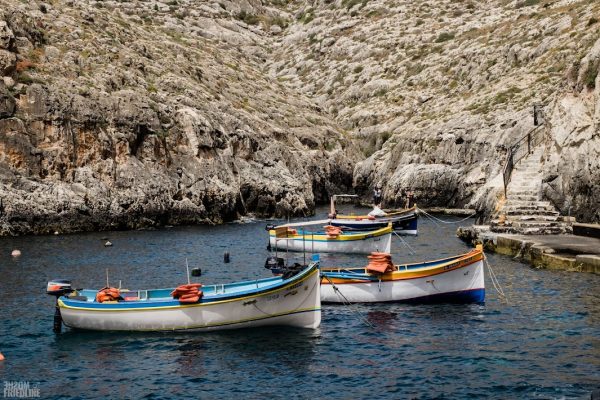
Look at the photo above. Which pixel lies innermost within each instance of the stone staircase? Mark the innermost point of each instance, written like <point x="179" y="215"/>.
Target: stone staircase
<point x="524" y="211"/>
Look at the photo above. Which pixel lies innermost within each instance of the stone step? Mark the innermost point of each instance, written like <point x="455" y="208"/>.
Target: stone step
<point x="529" y="231"/>
<point x="517" y="189"/>
<point x="527" y="223"/>
<point x="526" y="173"/>
<point x="535" y="224"/>
<point x="518" y="192"/>
<point x="532" y="217"/>
<point x="526" y="182"/>
<point x="546" y="230"/>
<point x="529" y="205"/>
<point x="539" y="203"/>
<point x="529" y="170"/>
<point x="528" y="165"/>
<point x="522" y="197"/>
<point x="541" y="213"/>
<point x="529" y="179"/>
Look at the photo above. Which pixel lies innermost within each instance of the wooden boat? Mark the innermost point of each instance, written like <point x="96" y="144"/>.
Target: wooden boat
<point x="457" y="279"/>
<point x="363" y="242"/>
<point x="403" y="221"/>
<point x="294" y="301"/>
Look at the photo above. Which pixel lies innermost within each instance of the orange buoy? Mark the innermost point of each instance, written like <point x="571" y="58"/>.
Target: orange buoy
<point x="1" y="357"/>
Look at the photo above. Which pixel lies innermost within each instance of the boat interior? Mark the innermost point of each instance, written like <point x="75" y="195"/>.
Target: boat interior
<point x="225" y="290"/>
<point x="401" y="267"/>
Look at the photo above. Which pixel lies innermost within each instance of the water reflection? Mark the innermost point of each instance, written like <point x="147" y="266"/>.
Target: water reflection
<point x="382" y="320"/>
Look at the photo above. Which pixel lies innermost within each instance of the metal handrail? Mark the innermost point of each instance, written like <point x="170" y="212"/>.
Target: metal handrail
<point x="517" y="152"/>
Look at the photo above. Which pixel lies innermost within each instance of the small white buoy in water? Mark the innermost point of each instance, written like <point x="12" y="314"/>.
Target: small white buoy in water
<point x="107" y="244"/>
<point x="56" y="232"/>
<point x="15" y="253"/>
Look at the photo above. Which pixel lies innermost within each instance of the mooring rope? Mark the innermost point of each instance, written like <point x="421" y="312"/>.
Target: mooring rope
<point x="346" y="302"/>
<point x="412" y="251"/>
<point x="495" y="281"/>
<point x="441" y="220"/>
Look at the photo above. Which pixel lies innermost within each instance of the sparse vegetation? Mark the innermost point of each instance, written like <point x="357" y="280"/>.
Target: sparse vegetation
<point x="351" y="3"/>
<point x="590" y="76"/>
<point x="444" y="37"/>
<point x="527" y="3"/>
<point x="248" y="18"/>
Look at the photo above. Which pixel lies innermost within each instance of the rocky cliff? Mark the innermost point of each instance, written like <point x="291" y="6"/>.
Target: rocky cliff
<point x="136" y="114"/>
<point x="125" y="114"/>
<point x="435" y="92"/>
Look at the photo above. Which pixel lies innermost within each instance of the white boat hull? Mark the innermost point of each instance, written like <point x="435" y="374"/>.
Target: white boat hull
<point x="467" y="282"/>
<point x="297" y="305"/>
<point x="361" y="246"/>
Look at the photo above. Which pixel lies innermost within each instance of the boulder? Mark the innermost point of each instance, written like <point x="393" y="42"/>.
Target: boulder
<point x="7" y="102"/>
<point x="8" y="62"/>
<point x="7" y="37"/>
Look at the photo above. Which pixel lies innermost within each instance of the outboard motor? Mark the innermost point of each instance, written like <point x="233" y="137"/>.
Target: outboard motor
<point x="275" y="264"/>
<point x="57" y="288"/>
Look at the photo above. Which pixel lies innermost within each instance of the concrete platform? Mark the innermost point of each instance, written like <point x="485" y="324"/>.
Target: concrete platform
<point x="562" y="252"/>
<point x="565" y="252"/>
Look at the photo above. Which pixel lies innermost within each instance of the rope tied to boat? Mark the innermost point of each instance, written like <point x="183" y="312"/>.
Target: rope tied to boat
<point x="433" y="218"/>
<point x="347" y="303"/>
<point x="412" y="251"/>
<point x="495" y="281"/>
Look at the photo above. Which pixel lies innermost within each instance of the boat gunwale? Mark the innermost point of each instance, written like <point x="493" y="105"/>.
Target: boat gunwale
<point x="164" y="304"/>
<point x="344" y="237"/>
<point x="407" y="212"/>
<point x="341" y="277"/>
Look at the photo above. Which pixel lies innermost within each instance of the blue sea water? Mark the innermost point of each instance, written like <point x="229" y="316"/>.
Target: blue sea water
<point x="543" y="344"/>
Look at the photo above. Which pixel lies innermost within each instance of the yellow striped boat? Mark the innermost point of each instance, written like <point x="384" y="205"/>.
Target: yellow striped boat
<point x="456" y="279"/>
<point x="362" y="242"/>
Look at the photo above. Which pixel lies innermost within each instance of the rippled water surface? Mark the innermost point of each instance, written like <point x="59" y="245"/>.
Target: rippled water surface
<point x="544" y="344"/>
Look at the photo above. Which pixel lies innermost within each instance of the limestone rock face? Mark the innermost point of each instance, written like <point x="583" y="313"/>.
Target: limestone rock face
<point x="117" y="114"/>
<point x="435" y="93"/>
<point x="572" y="173"/>
<point x="127" y="115"/>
